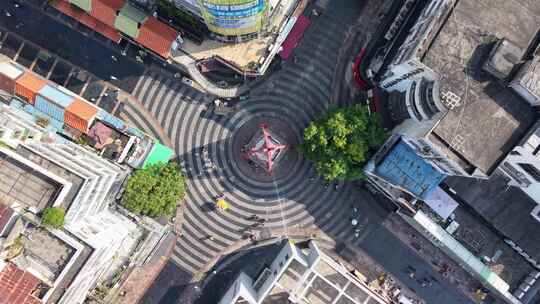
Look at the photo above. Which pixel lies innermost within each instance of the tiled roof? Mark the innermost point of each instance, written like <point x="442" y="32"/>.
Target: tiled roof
<point x="157" y="36"/>
<point x="105" y="10"/>
<point x="97" y="25"/>
<point x="16" y="286"/>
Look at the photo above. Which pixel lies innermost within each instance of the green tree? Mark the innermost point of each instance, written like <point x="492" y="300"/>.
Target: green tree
<point x="53" y="217"/>
<point x="341" y="142"/>
<point x="155" y="190"/>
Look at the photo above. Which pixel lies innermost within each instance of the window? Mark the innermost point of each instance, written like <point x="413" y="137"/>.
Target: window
<point x="531" y="170"/>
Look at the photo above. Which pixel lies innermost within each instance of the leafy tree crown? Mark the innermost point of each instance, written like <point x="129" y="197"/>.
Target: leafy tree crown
<point x="341" y="142"/>
<point x="155" y="190"/>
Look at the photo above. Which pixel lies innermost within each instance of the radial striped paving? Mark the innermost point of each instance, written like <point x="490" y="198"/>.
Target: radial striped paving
<point x="297" y="94"/>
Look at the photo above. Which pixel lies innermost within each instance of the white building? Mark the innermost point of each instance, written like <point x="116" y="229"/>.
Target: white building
<point x="301" y="275"/>
<point x="110" y="236"/>
<point x="522" y="166"/>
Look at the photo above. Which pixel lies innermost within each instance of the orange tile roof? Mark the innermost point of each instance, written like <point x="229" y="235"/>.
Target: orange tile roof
<point x="157" y="36"/>
<point x="88" y="20"/>
<point x="16" y="286"/>
<point x="105" y="10"/>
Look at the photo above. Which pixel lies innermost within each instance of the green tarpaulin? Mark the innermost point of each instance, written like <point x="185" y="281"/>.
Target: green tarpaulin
<point x="158" y="154"/>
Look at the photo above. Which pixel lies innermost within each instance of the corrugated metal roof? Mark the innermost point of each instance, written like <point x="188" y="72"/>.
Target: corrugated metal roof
<point x="10" y="70"/>
<point x="31" y="81"/>
<point x="86" y="5"/>
<point x="105" y="10"/>
<point x="82" y="109"/>
<point x="116" y="122"/>
<point x="57" y="96"/>
<point x="157" y="36"/>
<point x="91" y="22"/>
<point x="128" y="20"/>
<point x="403" y="167"/>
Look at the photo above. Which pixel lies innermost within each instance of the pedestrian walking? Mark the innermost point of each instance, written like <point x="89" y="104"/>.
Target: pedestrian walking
<point x="208" y="238"/>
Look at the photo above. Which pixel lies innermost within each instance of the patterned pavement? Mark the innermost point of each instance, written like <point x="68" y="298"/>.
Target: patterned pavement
<point x="295" y="95"/>
<point x="298" y="201"/>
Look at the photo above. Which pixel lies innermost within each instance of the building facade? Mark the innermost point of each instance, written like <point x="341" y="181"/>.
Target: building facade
<point x="301" y="273"/>
<point x="522" y="166"/>
<point x="232" y="20"/>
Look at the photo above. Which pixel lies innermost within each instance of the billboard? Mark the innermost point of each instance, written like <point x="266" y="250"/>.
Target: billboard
<point x="234" y="17"/>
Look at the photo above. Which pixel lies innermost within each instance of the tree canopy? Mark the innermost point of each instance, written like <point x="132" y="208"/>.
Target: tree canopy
<point x="53" y="217"/>
<point x="341" y="142"/>
<point x="155" y="190"/>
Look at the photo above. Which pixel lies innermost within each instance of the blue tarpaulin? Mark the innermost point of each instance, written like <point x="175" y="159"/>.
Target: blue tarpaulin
<point x="403" y="167"/>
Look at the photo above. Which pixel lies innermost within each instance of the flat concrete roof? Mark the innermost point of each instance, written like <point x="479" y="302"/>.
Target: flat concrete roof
<point x="46" y="249"/>
<point x="20" y="183"/>
<point x="506" y="208"/>
<point x="75" y="180"/>
<point x="492" y="118"/>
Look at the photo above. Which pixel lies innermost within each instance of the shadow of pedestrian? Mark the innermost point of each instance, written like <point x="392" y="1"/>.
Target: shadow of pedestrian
<point x="208" y="207"/>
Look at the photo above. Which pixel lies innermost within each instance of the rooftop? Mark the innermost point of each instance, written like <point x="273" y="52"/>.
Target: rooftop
<point x="403" y="167"/>
<point x="506" y="208"/>
<point x="16" y="285"/>
<point x="240" y="54"/>
<point x="20" y="183"/>
<point x="484" y="242"/>
<point x="529" y="76"/>
<point x="43" y="252"/>
<point x="74" y="179"/>
<point x="251" y="262"/>
<point x="491" y="118"/>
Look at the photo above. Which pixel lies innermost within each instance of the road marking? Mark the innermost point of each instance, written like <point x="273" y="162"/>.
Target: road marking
<point x="85" y="85"/>
<point x="105" y="87"/>
<point x="31" y="68"/>
<point x="4" y="38"/>
<point x="71" y="72"/>
<point x="49" y="74"/>
<point x="19" y="51"/>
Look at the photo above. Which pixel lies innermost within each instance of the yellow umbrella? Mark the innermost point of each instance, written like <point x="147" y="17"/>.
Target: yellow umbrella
<point x="222" y="204"/>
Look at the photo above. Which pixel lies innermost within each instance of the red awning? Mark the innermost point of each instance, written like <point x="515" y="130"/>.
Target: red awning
<point x="157" y="36"/>
<point x="88" y="20"/>
<point x="288" y="46"/>
<point x="105" y="10"/>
